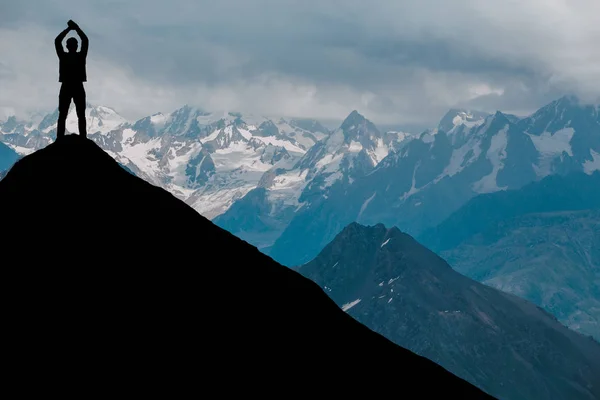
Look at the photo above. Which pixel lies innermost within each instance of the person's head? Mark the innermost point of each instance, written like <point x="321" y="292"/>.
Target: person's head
<point x="72" y="45"/>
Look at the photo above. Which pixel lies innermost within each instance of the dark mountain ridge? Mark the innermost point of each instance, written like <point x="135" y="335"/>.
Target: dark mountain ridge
<point x="114" y="284"/>
<point x="509" y="347"/>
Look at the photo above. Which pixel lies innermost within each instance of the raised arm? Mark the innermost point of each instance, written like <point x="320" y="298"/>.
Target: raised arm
<point x="58" y="42"/>
<point x="85" y="43"/>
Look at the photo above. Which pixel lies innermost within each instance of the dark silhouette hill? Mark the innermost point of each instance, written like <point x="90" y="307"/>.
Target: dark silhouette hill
<point x="114" y="285"/>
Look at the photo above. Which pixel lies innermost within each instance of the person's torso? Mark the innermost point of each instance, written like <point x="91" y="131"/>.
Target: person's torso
<point x="72" y="68"/>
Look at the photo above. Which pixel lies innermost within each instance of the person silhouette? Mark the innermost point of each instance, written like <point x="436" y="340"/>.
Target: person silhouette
<point x="72" y="74"/>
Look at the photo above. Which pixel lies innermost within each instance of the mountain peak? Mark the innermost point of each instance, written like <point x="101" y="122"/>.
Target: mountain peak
<point x="353" y="120"/>
<point x="373" y="236"/>
<point x="460" y="116"/>
<point x="357" y="128"/>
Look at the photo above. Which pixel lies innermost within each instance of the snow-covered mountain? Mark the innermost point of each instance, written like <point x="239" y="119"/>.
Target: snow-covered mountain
<point x="207" y="159"/>
<point x="349" y="153"/>
<point x="432" y="175"/>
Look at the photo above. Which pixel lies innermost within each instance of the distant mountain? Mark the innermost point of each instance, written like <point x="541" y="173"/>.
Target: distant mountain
<point x="7" y="157"/>
<point x="430" y="176"/>
<point x="541" y="242"/>
<point x="574" y="191"/>
<point x="115" y="296"/>
<point x="458" y="118"/>
<point x="505" y="345"/>
<point x="352" y="151"/>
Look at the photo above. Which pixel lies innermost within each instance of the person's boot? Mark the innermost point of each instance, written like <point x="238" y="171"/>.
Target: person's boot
<point x="82" y="130"/>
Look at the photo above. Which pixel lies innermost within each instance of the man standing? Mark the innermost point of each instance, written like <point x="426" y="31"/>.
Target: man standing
<point x="72" y="74"/>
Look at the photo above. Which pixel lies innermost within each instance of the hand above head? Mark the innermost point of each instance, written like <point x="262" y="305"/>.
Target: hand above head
<point x="71" y="24"/>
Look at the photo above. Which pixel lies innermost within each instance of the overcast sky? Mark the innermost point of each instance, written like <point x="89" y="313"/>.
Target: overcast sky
<point x="395" y="61"/>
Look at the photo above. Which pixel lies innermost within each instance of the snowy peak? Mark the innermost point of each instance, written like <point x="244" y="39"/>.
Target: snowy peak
<point x="267" y="128"/>
<point x="359" y="129"/>
<point x="149" y="127"/>
<point x="184" y="122"/>
<point x="230" y="135"/>
<point x="566" y="133"/>
<point x="559" y="114"/>
<point x="456" y="118"/>
<point x="352" y="150"/>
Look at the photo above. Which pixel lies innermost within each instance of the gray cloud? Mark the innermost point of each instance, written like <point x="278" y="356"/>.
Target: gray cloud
<point x="396" y="61"/>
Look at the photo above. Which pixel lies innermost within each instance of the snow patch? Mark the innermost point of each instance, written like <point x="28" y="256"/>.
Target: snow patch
<point x="22" y="151"/>
<point x="384" y="243"/>
<point x="289" y="146"/>
<point x="355" y="147"/>
<point x="365" y="204"/>
<point x="413" y="188"/>
<point x="495" y="154"/>
<point x="348" y="306"/>
<point x="458" y="159"/>
<point x="594" y="165"/>
<point x="553" y="143"/>
<point x="380" y="152"/>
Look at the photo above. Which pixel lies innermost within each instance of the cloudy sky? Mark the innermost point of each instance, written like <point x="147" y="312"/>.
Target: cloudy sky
<point x="395" y="61"/>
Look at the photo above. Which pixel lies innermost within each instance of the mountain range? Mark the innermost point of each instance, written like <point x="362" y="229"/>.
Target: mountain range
<point x="505" y="345"/>
<point x="289" y="186"/>
<point x="129" y="289"/>
<point x="207" y="159"/>
<point x="432" y="175"/>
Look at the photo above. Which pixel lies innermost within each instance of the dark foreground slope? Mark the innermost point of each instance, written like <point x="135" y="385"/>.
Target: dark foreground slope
<point x="504" y="344"/>
<point x="110" y="280"/>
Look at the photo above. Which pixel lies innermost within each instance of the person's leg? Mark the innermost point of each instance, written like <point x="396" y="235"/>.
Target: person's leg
<point x="64" y="100"/>
<point x="79" y="100"/>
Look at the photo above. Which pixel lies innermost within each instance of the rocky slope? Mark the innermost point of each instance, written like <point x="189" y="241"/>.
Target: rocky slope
<point x="507" y="346"/>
